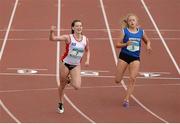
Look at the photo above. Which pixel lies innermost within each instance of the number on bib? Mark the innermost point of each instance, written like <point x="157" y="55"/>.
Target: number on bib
<point x="76" y="53"/>
<point x="134" y="46"/>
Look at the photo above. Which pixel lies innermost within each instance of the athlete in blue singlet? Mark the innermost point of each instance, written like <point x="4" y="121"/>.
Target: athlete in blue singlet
<point x="132" y="50"/>
<point x="130" y="44"/>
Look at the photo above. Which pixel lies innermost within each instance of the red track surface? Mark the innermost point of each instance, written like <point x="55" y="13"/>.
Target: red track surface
<point x="34" y="98"/>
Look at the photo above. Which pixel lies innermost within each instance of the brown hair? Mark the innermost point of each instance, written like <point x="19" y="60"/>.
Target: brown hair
<point x="73" y="23"/>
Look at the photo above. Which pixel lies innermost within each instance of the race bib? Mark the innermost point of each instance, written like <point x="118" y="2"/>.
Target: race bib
<point x="134" y="46"/>
<point x="76" y="53"/>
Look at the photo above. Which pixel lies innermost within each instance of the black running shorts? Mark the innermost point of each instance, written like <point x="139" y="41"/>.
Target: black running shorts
<point x="128" y="59"/>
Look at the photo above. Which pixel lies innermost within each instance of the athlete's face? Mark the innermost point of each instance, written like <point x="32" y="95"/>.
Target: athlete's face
<point x="78" y="27"/>
<point x="132" y="21"/>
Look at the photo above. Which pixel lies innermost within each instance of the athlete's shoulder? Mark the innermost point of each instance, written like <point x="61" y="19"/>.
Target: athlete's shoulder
<point x="67" y="37"/>
<point x="84" y="36"/>
<point x="70" y="35"/>
<point x="141" y="30"/>
<point x="125" y="30"/>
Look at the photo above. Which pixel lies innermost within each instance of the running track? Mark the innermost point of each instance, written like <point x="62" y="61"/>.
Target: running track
<point x="33" y="98"/>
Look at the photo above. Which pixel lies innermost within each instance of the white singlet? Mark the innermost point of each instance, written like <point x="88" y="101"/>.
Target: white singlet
<point x="74" y="50"/>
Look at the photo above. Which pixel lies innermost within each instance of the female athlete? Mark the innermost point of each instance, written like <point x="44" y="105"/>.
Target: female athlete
<point x="76" y="45"/>
<point x="130" y="44"/>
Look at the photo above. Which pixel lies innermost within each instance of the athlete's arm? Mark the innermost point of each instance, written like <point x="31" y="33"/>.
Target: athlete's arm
<point x="147" y="42"/>
<point x="87" y="50"/>
<point x="53" y="37"/>
<point x="120" y="43"/>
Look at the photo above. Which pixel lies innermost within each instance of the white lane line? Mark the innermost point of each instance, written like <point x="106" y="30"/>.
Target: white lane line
<point x="144" y="106"/>
<point x="25" y="39"/>
<point x="9" y="113"/>
<point x="90" y="29"/>
<point x="27" y="90"/>
<point x="100" y="76"/>
<point x="88" y="87"/>
<point x="93" y="39"/>
<point x="161" y="37"/>
<point x="104" y="71"/>
<point x="17" y="74"/>
<point x="8" y="29"/>
<point x="1" y="53"/>
<point x="58" y="63"/>
<point x="116" y="60"/>
<point x="39" y="69"/>
<point x="149" y="78"/>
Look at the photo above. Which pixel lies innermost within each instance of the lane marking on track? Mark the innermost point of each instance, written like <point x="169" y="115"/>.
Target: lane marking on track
<point x="9" y="113"/>
<point x="58" y="63"/>
<point x="90" y="29"/>
<point x="89" y="73"/>
<point x="41" y="69"/>
<point x="1" y="53"/>
<point x="8" y="29"/>
<point x="153" y="74"/>
<point x="87" y="87"/>
<point x="27" y="74"/>
<point x="91" y="76"/>
<point x="161" y="37"/>
<point x="27" y="71"/>
<point x="104" y="71"/>
<point x="116" y="60"/>
<point x="96" y="38"/>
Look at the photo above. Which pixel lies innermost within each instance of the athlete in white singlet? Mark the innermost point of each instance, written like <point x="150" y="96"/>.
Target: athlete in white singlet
<point x="74" y="50"/>
<point x="70" y="67"/>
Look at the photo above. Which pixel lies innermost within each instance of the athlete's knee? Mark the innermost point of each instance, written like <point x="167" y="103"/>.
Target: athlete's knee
<point x="132" y="80"/>
<point x="77" y="85"/>
<point x="62" y="83"/>
<point x="118" y="79"/>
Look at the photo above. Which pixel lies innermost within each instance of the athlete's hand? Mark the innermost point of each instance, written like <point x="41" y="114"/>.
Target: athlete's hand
<point x="53" y="28"/>
<point x="129" y="43"/>
<point x="149" y="49"/>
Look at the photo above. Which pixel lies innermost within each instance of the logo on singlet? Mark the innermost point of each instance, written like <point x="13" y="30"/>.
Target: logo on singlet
<point x="73" y="44"/>
<point x="76" y="53"/>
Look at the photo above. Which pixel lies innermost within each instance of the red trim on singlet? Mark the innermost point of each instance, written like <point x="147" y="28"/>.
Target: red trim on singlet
<point x="81" y="60"/>
<point x="84" y="48"/>
<point x="86" y="44"/>
<point x="66" y="50"/>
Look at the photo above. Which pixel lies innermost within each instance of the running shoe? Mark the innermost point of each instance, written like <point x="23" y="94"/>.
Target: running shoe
<point x="126" y="104"/>
<point x="61" y="108"/>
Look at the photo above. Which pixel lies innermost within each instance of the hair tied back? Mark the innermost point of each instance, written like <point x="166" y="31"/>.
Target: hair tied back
<point x="125" y="20"/>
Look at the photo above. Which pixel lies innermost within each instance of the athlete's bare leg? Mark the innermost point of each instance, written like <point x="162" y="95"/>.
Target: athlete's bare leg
<point x="133" y="70"/>
<point x="121" y="67"/>
<point x="64" y="72"/>
<point x="76" y="77"/>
